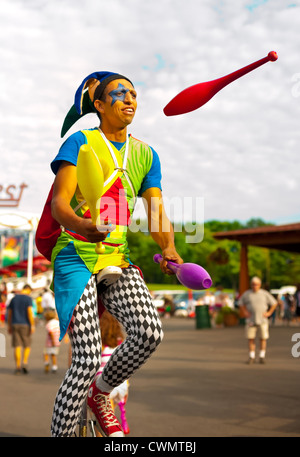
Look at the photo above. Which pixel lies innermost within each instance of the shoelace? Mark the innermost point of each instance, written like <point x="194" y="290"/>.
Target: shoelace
<point x="104" y="407"/>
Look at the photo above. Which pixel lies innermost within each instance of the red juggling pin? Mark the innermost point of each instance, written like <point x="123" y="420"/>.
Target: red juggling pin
<point x="196" y="96"/>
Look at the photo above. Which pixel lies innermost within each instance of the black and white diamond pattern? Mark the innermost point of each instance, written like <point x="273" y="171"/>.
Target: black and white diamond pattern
<point x="86" y="357"/>
<point x="129" y="301"/>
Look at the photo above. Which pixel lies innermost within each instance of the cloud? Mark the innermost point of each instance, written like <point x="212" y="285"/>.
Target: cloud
<point x="239" y="151"/>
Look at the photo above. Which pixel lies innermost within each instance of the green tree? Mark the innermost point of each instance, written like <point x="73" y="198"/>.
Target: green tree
<point x="220" y="258"/>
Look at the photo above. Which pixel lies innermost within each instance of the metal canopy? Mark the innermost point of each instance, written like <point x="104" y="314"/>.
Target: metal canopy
<point x="282" y="237"/>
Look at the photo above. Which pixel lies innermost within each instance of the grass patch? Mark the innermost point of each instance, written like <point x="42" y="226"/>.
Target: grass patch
<point x="179" y="287"/>
<point x="166" y="287"/>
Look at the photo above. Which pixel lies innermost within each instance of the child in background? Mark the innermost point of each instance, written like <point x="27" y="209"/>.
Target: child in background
<point x="52" y="340"/>
<point x="112" y="335"/>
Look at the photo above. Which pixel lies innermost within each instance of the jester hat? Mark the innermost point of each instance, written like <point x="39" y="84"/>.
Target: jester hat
<point x="91" y="89"/>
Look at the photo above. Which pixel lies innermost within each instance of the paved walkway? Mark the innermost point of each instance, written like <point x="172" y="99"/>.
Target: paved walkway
<point x="197" y="384"/>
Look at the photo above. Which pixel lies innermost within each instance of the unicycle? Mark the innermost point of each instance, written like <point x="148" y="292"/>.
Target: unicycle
<point x="86" y="426"/>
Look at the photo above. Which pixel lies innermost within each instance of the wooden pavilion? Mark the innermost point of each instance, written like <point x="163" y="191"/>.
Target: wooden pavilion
<point x="282" y="237"/>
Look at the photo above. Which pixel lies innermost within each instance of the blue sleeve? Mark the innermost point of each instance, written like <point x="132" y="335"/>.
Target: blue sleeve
<point x="153" y="177"/>
<point x="69" y="151"/>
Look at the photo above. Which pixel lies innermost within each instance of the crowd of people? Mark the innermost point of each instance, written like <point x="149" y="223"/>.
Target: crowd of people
<point x="257" y="308"/>
<point x="22" y="311"/>
<point x="287" y="310"/>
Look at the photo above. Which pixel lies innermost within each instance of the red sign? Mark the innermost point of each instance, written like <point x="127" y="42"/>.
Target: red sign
<point x="10" y="196"/>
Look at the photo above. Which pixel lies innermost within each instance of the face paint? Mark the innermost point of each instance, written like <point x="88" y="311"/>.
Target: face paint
<point x="118" y="94"/>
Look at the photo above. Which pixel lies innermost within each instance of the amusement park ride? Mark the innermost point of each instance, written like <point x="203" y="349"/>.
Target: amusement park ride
<point x="16" y="225"/>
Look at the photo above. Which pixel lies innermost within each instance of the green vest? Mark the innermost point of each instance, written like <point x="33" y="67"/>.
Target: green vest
<point x="124" y="172"/>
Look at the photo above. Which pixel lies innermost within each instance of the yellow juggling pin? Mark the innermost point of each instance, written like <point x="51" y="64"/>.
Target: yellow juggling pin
<point x="90" y="180"/>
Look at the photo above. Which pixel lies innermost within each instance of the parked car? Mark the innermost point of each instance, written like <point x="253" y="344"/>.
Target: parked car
<point x="159" y="299"/>
<point x="185" y="303"/>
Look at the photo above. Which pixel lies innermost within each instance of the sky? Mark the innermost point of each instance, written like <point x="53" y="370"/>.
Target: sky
<point x="235" y="158"/>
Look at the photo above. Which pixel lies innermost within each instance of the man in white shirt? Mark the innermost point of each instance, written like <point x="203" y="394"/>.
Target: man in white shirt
<point x="257" y="305"/>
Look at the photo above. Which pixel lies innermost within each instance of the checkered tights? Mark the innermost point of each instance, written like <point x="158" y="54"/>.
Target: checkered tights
<point x="129" y="301"/>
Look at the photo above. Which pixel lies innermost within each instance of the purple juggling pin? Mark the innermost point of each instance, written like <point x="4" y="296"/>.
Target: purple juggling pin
<point x="190" y="275"/>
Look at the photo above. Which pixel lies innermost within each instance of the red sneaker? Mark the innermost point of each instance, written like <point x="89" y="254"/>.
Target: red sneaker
<point x="100" y="406"/>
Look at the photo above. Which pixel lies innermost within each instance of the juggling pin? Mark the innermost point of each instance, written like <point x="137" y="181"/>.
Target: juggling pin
<point x="190" y="275"/>
<point x="196" y="96"/>
<point x="90" y="180"/>
<point x="124" y="423"/>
